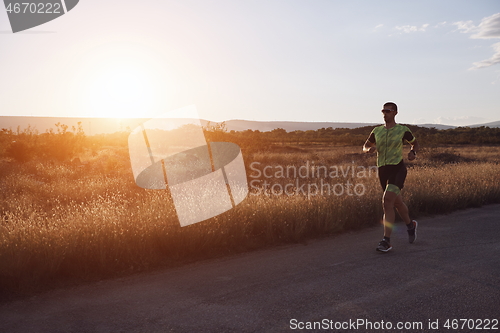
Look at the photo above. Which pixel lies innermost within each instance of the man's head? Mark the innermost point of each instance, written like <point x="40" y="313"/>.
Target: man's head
<point x="390" y="106"/>
<point x="390" y="111"/>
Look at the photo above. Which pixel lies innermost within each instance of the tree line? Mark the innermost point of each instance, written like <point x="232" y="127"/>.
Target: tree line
<point x="357" y="136"/>
<point x="66" y="143"/>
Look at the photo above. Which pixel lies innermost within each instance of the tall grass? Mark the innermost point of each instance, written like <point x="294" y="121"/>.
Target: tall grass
<point x="62" y="222"/>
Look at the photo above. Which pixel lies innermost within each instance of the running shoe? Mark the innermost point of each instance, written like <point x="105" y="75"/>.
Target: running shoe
<point x="412" y="233"/>
<point x="384" y="246"/>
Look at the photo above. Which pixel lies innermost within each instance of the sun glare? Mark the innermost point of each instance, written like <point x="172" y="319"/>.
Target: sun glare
<point x="120" y="80"/>
<point x="121" y="91"/>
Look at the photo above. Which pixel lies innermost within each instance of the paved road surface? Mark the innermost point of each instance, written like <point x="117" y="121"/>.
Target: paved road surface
<point x="452" y="271"/>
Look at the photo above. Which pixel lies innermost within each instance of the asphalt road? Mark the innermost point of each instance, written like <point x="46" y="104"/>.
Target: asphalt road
<point x="452" y="271"/>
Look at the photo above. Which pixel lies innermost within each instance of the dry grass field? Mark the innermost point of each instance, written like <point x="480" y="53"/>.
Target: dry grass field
<point x="68" y="223"/>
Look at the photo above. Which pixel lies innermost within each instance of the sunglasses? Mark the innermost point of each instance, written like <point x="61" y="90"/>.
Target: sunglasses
<point x="386" y="111"/>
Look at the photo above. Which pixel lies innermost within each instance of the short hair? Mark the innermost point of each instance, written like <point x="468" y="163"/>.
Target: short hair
<point x="392" y="105"/>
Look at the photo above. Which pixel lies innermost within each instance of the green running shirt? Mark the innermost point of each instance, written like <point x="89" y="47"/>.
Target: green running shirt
<point x="390" y="143"/>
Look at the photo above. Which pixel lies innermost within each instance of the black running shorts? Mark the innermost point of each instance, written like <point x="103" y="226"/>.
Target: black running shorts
<point x="392" y="175"/>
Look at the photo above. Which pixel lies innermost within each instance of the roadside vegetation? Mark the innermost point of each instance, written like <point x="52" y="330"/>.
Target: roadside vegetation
<point x="70" y="211"/>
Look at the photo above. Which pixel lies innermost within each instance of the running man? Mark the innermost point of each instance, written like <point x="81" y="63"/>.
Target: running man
<point x="387" y="140"/>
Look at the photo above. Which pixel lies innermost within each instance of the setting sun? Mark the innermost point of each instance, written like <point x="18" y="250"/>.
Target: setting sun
<point x="120" y="80"/>
<point x="121" y="91"/>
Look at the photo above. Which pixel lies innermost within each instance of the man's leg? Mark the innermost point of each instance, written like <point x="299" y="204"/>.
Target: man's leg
<point x="403" y="212"/>
<point x="388" y="203"/>
<point x="402" y="209"/>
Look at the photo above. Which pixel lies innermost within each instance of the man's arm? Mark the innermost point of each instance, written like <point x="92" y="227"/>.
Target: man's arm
<point x="369" y="147"/>
<point x="414" y="150"/>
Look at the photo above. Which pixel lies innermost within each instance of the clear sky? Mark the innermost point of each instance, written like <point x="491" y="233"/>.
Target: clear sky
<point x="259" y="60"/>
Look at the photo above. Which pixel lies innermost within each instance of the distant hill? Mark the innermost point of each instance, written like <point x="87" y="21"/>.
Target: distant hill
<point x="289" y="126"/>
<point x="92" y="126"/>
<point x="495" y="124"/>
